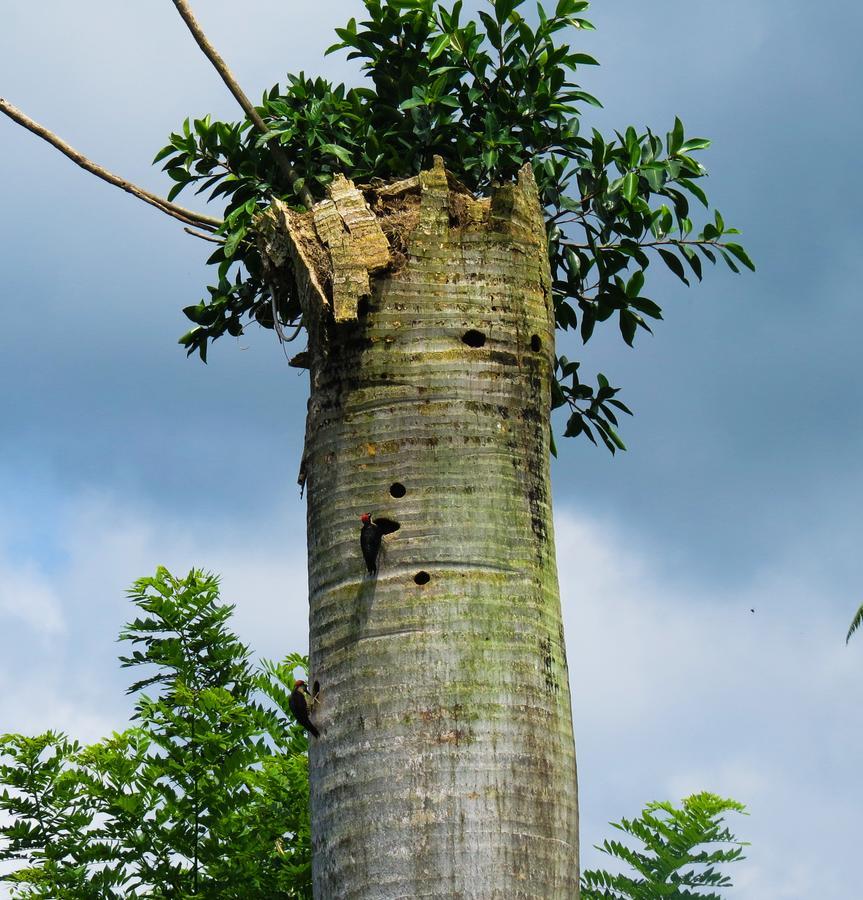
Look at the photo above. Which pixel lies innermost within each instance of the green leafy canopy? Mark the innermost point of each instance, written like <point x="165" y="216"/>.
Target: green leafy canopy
<point x="487" y="95"/>
<point x="206" y="796"/>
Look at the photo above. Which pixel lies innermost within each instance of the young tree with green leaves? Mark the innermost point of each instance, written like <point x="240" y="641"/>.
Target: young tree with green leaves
<point x="205" y="796"/>
<point x="428" y="230"/>
<point x="683" y="850"/>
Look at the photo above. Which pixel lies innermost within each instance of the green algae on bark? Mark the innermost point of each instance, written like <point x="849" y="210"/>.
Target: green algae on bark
<point x="446" y="765"/>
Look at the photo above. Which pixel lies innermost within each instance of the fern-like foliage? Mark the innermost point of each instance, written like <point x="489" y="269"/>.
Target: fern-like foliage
<point x="856" y="622"/>
<point x="205" y="798"/>
<point x="679" y="858"/>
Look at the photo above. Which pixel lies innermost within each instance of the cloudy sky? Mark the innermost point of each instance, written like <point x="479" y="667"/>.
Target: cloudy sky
<point x="741" y="489"/>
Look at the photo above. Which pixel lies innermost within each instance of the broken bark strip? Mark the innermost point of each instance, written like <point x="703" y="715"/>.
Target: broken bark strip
<point x="332" y="251"/>
<point x="291" y="248"/>
<point x="446" y="765"/>
<point x="356" y="243"/>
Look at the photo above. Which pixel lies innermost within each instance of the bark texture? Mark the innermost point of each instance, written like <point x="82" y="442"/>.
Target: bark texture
<point x="446" y="763"/>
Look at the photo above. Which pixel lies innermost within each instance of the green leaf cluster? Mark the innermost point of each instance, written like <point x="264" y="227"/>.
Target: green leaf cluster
<point x="587" y="405"/>
<point x="680" y="856"/>
<point x="488" y="95"/>
<point x="856" y="622"/>
<point x="205" y="797"/>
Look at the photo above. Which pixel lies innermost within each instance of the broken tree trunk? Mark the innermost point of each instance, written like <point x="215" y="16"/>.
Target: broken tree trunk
<point x="446" y="762"/>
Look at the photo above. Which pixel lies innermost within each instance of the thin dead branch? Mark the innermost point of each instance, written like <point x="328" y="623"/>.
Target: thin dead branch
<point x="233" y="86"/>
<point x="190" y="217"/>
<point x="204" y="237"/>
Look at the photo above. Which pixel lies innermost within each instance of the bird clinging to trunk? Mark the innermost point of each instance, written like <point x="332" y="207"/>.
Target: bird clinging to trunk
<point x="370" y="542"/>
<point x="371" y="535"/>
<point x="299" y="705"/>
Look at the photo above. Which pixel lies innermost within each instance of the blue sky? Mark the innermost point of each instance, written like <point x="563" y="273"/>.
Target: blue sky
<point x="741" y="489"/>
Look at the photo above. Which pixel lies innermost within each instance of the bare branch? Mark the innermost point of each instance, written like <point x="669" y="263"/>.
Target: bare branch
<point x="190" y="217"/>
<point x="204" y="237"/>
<point x="248" y="107"/>
<point x="658" y="243"/>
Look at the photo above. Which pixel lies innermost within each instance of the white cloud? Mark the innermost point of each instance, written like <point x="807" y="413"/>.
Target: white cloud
<point x="263" y="571"/>
<point x="104" y="546"/>
<point x="678" y="688"/>
<point x="46" y="701"/>
<point x="27" y="595"/>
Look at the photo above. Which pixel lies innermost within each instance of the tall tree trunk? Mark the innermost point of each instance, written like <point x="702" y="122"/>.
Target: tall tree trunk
<point x="446" y="762"/>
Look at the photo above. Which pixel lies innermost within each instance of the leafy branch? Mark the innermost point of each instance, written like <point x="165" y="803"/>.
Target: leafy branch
<point x="488" y="95"/>
<point x="856" y="622"/>
<point x="233" y="86"/>
<point x="205" y="796"/>
<point x="677" y="860"/>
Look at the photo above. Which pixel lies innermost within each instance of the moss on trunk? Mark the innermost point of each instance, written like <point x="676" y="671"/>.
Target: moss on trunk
<point x="446" y="765"/>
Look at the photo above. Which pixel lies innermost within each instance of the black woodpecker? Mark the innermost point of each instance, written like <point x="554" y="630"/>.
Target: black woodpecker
<point x="370" y="542"/>
<point x="300" y="707"/>
<point x="371" y="535"/>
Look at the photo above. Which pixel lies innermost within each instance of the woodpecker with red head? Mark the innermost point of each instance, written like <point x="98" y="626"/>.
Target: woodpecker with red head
<point x="299" y="705"/>
<point x="371" y="535"/>
<point x="370" y="542"/>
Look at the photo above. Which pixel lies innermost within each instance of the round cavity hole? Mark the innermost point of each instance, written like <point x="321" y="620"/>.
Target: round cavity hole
<point x="473" y="338"/>
<point x="397" y="489"/>
<point x="422" y="578"/>
<point x="536" y="343"/>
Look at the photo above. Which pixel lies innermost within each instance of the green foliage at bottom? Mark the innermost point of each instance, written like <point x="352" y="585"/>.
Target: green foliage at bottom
<point x="205" y="797"/>
<point x="677" y="860"/>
